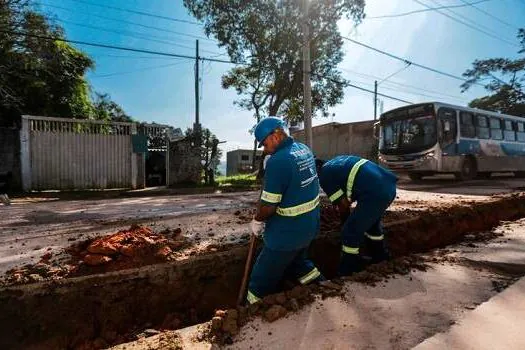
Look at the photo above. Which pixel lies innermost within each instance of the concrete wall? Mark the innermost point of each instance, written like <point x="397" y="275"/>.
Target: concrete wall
<point x="332" y="139"/>
<point x="235" y="164"/>
<point x="10" y="155"/>
<point x="184" y="163"/>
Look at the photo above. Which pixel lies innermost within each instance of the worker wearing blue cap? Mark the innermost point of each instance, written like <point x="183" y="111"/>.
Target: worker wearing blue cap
<point x="288" y="212"/>
<point x="345" y="179"/>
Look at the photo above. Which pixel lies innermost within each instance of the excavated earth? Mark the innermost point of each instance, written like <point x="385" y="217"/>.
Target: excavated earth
<point x="126" y="292"/>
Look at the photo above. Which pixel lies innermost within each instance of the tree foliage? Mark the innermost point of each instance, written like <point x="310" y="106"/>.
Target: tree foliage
<point x="105" y="108"/>
<point x="43" y="77"/>
<point x="505" y="82"/>
<point x="266" y="37"/>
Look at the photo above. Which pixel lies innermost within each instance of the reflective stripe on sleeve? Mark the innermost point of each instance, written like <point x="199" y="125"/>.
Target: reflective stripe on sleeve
<point x="271" y="197"/>
<point x="336" y="195"/>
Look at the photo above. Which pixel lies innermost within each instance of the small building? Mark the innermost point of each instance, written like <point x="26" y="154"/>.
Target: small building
<point x="333" y="139"/>
<point x="240" y="161"/>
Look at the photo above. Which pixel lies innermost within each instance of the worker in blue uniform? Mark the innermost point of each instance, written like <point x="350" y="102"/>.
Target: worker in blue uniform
<point x="345" y="179"/>
<point x="288" y="213"/>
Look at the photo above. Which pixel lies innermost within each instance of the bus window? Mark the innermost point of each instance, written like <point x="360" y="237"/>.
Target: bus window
<point x="509" y="133"/>
<point x="495" y="129"/>
<point x="520" y="134"/>
<point x="482" y="127"/>
<point x="467" y="128"/>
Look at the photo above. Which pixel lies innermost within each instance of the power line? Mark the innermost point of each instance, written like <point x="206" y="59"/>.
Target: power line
<point x="136" y="12"/>
<point x="135" y="57"/>
<point x="425" y="10"/>
<point x="345" y="83"/>
<point x="114" y="47"/>
<point x="378" y="94"/>
<point x="394" y="83"/>
<point x="137" y="70"/>
<point x="494" y="36"/>
<point x="473" y="23"/>
<point x="136" y="35"/>
<point x="406" y="60"/>
<point x="133" y="23"/>
<point x="490" y="15"/>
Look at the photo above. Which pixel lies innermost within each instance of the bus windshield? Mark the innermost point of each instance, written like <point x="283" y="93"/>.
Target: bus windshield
<point x="414" y="134"/>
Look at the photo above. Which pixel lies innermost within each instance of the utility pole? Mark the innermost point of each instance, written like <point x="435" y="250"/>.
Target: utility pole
<point x="407" y="64"/>
<point x="197" y="126"/>
<point x="375" y="99"/>
<point x="307" y="92"/>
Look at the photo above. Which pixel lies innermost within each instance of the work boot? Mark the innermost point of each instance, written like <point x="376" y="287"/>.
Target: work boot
<point x="350" y="263"/>
<point x="378" y="251"/>
<point x="5" y="199"/>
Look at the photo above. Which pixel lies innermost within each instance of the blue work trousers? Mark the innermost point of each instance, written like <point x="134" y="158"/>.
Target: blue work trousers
<point x="365" y="218"/>
<point x="272" y="266"/>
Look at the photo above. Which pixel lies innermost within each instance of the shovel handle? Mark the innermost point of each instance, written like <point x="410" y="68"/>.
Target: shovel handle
<point x="247" y="268"/>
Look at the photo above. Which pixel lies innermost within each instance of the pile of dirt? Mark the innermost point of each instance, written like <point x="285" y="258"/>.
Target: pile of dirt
<point x="225" y="324"/>
<point x="131" y="248"/>
<point x="134" y="247"/>
<point x="43" y="270"/>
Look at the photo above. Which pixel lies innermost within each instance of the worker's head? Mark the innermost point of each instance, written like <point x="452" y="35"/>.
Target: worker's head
<point x="319" y="165"/>
<point x="269" y="132"/>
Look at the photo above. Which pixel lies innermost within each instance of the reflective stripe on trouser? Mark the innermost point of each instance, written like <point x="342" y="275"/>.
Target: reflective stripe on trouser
<point x="374" y="238"/>
<point x="252" y="298"/>
<point x="352" y="175"/>
<point x="272" y="266"/>
<point x="366" y="217"/>
<point x="310" y="276"/>
<point x="299" y="209"/>
<point x="350" y="250"/>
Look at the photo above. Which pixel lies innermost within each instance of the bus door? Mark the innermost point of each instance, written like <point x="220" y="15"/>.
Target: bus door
<point x="448" y="131"/>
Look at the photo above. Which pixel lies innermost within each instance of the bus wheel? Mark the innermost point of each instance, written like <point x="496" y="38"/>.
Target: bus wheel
<point x="415" y="176"/>
<point x="468" y="170"/>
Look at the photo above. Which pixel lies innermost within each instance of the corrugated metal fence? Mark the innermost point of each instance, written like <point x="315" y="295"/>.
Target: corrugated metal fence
<point x="67" y="154"/>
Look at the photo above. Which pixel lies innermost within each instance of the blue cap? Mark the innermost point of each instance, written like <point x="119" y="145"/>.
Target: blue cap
<point x="266" y="126"/>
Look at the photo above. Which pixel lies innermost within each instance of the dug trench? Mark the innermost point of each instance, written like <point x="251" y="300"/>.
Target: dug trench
<point x="110" y="308"/>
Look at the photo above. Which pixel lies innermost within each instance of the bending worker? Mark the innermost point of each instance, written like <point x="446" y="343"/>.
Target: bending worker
<point x="288" y="212"/>
<point x="345" y="179"/>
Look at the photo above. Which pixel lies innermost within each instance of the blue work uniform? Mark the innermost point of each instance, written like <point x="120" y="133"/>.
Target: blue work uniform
<point x="292" y="185"/>
<point x="374" y="189"/>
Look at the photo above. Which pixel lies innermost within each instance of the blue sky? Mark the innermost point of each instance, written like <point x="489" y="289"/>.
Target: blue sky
<point x="153" y="88"/>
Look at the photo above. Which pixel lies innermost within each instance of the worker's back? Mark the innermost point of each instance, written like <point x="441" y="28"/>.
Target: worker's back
<point x="369" y="178"/>
<point x="291" y="180"/>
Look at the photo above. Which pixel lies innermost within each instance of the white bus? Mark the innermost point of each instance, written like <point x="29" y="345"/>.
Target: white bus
<point x="433" y="138"/>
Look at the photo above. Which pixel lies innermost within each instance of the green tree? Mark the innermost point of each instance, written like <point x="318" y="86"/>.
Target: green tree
<point x="503" y="78"/>
<point x="266" y="37"/>
<point x="105" y="108"/>
<point x="42" y="77"/>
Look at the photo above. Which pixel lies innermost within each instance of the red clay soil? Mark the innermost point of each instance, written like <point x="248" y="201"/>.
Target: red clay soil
<point x="134" y="247"/>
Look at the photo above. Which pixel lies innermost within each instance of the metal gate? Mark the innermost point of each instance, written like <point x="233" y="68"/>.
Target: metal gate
<point x="74" y="154"/>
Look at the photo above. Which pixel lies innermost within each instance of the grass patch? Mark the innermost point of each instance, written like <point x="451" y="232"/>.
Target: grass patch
<point x="245" y="180"/>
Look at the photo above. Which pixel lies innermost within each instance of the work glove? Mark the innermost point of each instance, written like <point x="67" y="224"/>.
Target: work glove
<point x="257" y="227"/>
